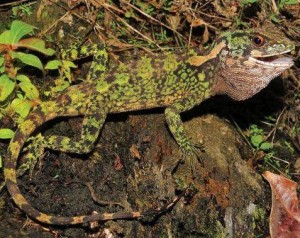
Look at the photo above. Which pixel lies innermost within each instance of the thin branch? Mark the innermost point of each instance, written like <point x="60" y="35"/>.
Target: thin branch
<point x="15" y="3"/>
<point x="150" y="17"/>
<point x="129" y="26"/>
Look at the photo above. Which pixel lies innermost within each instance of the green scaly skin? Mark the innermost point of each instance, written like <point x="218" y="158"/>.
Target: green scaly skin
<point x="234" y="66"/>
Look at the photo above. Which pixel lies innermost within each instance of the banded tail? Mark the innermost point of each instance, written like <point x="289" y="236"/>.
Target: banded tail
<point x="33" y="121"/>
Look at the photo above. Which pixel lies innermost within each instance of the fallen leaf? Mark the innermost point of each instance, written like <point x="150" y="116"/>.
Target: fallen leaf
<point x="135" y="152"/>
<point x="285" y="214"/>
<point x="118" y="163"/>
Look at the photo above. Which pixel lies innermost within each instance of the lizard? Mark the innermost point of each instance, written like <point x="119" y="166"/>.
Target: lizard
<point x="238" y="64"/>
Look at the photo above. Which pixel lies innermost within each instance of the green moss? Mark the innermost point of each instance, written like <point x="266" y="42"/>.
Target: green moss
<point x="259" y="214"/>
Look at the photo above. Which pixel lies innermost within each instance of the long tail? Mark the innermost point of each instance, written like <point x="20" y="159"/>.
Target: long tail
<point x="26" y="128"/>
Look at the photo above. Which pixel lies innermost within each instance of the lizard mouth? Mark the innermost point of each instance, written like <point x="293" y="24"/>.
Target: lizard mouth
<point x="273" y="61"/>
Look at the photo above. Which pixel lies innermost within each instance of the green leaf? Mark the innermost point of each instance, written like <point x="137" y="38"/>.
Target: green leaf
<point x="0" y="161"/>
<point x="35" y="44"/>
<point x="67" y="73"/>
<point x="6" y="133"/>
<point x="291" y="2"/>
<point x="69" y="64"/>
<point x="28" y="59"/>
<point x="6" y="37"/>
<point x="266" y="146"/>
<point x="17" y="30"/>
<point x="245" y="2"/>
<point x="22" y="78"/>
<point x="253" y="129"/>
<point x="256" y="140"/>
<point x="2" y="68"/>
<point x="20" y="29"/>
<point x="21" y="106"/>
<point x="6" y="87"/>
<point x="1" y="60"/>
<point x="53" y="64"/>
<point x="274" y="18"/>
<point x="20" y="95"/>
<point x="30" y="90"/>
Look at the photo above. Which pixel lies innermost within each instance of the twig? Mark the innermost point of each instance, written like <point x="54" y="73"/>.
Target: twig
<point x="69" y="11"/>
<point x="273" y="131"/>
<point x="53" y="24"/>
<point x="241" y="133"/>
<point x="203" y="5"/>
<point x="130" y="27"/>
<point x="274" y="6"/>
<point x="212" y="16"/>
<point x="150" y="17"/>
<point x="15" y="3"/>
<point x="99" y="201"/>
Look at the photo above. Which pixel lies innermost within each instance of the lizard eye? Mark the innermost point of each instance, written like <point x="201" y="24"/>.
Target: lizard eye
<point x="258" y="40"/>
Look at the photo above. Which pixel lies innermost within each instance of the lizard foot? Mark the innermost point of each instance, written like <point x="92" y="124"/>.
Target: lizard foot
<point x="192" y="154"/>
<point x="35" y="151"/>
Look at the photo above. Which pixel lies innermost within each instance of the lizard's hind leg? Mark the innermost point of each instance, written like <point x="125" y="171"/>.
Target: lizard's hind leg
<point x="91" y="126"/>
<point x="92" y="122"/>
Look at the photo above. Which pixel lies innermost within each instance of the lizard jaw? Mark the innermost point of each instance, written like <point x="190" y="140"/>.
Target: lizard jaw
<point x="273" y="61"/>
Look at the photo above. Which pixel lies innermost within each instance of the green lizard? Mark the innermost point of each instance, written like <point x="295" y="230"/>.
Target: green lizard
<point x="239" y="64"/>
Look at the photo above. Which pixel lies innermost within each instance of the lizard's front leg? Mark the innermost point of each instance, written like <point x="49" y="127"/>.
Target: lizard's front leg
<point x="91" y="126"/>
<point x="172" y="114"/>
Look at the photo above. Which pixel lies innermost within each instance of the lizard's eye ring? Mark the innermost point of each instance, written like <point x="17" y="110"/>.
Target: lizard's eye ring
<point x="258" y="40"/>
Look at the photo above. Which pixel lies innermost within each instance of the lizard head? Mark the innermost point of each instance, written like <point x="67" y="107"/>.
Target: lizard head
<point x="250" y="59"/>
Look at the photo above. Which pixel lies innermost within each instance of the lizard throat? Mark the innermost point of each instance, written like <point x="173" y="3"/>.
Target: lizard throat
<point x="241" y="80"/>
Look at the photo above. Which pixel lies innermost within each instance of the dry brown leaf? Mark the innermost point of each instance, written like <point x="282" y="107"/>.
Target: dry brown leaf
<point x="173" y="21"/>
<point x="226" y="8"/>
<point x="118" y="163"/>
<point x="197" y="22"/>
<point x="116" y="43"/>
<point x="285" y="214"/>
<point x="135" y="152"/>
<point x="205" y="35"/>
